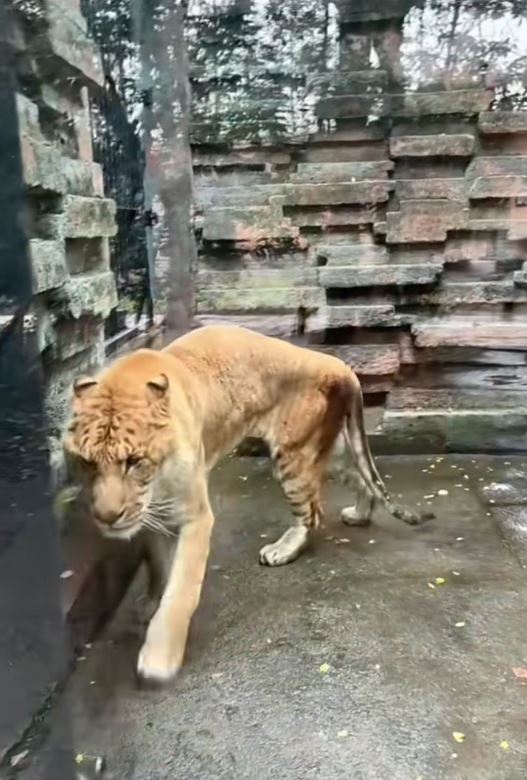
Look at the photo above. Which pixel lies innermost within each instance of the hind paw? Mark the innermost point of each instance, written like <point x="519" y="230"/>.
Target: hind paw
<point x="351" y="515"/>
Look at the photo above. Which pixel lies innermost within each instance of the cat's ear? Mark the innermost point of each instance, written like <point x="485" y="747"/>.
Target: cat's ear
<point x="159" y="386"/>
<point x="83" y="384"/>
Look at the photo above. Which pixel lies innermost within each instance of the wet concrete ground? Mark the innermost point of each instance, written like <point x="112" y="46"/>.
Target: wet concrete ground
<point x="407" y="664"/>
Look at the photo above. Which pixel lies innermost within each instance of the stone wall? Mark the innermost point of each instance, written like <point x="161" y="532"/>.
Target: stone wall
<point x="361" y="178"/>
<point x="69" y="220"/>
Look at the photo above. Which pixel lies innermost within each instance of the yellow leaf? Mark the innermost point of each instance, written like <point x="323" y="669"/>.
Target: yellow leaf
<point x="341" y="734"/>
<point x="504" y="745"/>
<point x="79" y="758"/>
<point x="431" y="586"/>
<point x="324" y="668"/>
<point x="439" y="580"/>
<point x="458" y="736"/>
<point x="459" y="624"/>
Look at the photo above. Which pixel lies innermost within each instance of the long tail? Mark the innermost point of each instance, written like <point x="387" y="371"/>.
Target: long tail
<point x="357" y="441"/>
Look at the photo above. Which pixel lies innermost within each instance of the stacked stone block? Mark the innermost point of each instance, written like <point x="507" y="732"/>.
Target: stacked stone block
<point x="393" y="226"/>
<point x="69" y="221"/>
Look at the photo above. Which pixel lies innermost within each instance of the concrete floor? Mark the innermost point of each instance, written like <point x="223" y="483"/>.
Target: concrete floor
<point x="252" y="702"/>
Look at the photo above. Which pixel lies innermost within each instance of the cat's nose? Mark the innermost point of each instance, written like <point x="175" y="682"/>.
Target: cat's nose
<point x="108" y="516"/>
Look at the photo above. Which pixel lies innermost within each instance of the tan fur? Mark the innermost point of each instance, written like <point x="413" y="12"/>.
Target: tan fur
<point x="147" y="432"/>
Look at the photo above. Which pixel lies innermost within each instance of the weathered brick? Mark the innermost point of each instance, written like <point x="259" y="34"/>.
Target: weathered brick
<point x="333" y="216"/>
<point x="259" y="299"/>
<point x="439" y="145"/>
<point x="365" y="359"/>
<point x="355" y="131"/>
<point x="240" y="157"/>
<point x="492" y="122"/>
<point x="88" y="217"/>
<point x="379" y="275"/>
<point x="320" y="173"/>
<point x="92" y="293"/>
<point x="512" y="165"/>
<point x="410" y="104"/>
<point x="48" y="264"/>
<point x="457" y="101"/>
<point x="362" y="316"/>
<point x="344" y="151"/>
<point x="469" y="332"/>
<point x="346" y="82"/>
<point x="251" y="224"/>
<point x="67" y="39"/>
<point x="226" y="197"/>
<point x="498" y="187"/>
<point x="352" y="254"/>
<point x="425" y="221"/>
<point x="335" y="194"/>
<point x="258" y="277"/>
<point x="420" y="189"/>
<point x="474" y="292"/>
<point x="520" y="277"/>
<point x="516" y="229"/>
<point x="81" y="177"/>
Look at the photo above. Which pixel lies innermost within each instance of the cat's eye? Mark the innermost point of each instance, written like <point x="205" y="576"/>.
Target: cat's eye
<point x="131" y="461"/>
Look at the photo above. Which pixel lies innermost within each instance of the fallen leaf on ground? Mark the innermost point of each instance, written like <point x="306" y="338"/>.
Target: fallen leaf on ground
<point x="324" y="668"/>
<point x="520" y="672"/>
<point x="65" y="575"/>
<point x="458" y="736"/>
<point x="17" y="759"/>
<point x="439" y="580"/>
<point x="431" y="586"/>
<point x="442" y="492"/>
<point x="342" y="733"/>
<point x="460" y="624"/>
<point x="504" y="745"/>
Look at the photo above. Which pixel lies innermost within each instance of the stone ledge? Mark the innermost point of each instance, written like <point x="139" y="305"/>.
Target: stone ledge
<point x="497" y="122"/>
<point x="434" y="189"/>
<point x="247" y="225"/>
<point x="467" y="332"/>
<point x="352" y="254"/>
<point x="458" y="430"/>
<point x="336" y="194"/>
<point x="237" y="196"/>
<point x="410" y="104"/>
<point x="498" y="187"/>
<point x="512" y="165"/>
<point x="332" y="216"/>
<point x="440" y="145"/>
<point x="365" y="359"/>
<point x="362" y="316"/>
<point x="259" y="299"/>
<point x="379" y="275"/>
<point x="267" y="278"/>
<point x="345" y="172"/>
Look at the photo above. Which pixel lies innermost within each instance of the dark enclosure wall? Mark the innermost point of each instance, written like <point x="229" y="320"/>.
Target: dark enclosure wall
<point x="361" y="178"/>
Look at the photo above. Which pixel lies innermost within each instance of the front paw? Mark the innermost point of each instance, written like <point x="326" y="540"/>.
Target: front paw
<point x="161" y="656"/>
